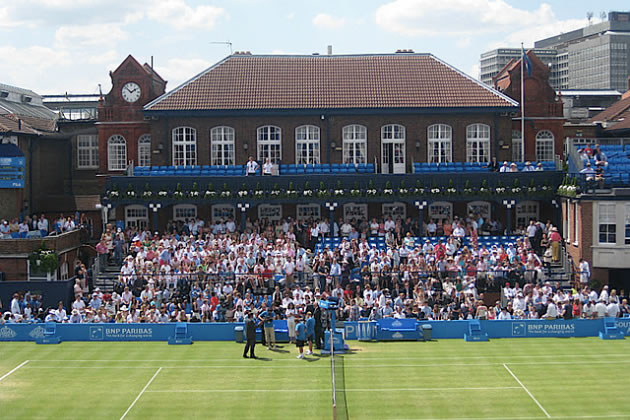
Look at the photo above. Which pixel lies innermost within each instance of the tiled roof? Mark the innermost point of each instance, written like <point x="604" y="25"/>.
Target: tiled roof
<point x="616" y="116"/>
<point x="9" y="124"/>
<point x="266" y="82"/>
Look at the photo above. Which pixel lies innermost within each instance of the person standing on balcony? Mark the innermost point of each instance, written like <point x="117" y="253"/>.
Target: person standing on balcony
<point x="252" y="167"/>
<point x="267" y="168"/>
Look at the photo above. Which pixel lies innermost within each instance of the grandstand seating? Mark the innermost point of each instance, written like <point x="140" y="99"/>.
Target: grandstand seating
<point x="618" y="168"/>
<point x="238" y="170"/>
<point x="454" y="167"/>
<point x="379" y="241"/>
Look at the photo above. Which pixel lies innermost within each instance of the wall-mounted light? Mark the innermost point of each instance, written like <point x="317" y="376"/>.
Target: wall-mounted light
<point x="245" y="146"/>
<point x="417" y="145"/>
<point x="333" y="144"/>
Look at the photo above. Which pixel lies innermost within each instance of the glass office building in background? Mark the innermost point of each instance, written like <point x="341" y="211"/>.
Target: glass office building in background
<point x="594" y="57"/>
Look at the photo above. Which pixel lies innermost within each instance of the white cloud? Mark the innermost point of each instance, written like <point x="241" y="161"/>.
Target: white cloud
<point x="322" y="20"/>
<point x="178" y="70"/>
<point x="91" y="35"/>
<point x="181" y="16"/>
<point x="463" y="17"/>
<point x="475" y="71"/>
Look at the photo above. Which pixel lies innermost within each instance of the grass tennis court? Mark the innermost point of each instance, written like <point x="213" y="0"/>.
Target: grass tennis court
<point x="577" y="378"/>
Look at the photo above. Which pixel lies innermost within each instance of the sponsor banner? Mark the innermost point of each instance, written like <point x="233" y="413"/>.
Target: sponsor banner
<point x="362" y="330"/>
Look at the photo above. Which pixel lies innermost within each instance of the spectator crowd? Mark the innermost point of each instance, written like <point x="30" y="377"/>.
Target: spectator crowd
<point x="207" y="273"/>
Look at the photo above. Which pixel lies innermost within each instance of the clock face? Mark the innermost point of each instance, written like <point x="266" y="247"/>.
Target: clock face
<point x="131" y="92"/>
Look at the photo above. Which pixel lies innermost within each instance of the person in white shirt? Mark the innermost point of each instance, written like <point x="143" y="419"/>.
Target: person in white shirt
<point x="585" y="272"/>
<point x="251" y="167"/>
<point x="267" y="167"/>
<point x="612" y="310"/>
<point x="600" y="309"/>
<point x="390" y="225"/>
<point x="552" y="310"/>
<point x="504" y="314"/>
<point x="78" y="304"/>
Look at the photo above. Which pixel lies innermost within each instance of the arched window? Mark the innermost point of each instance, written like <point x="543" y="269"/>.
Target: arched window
<point x="116" y="153"/>
<point x="478" y="143"/>
<point x="184" y="146"/>
<point x="269" y="144"/>
<point x="440" y="137"/>
<point x="354" y="144"/>
<point x="307" y="145"/>
<point x="517" y="146"/>
<point x="222" y="146"/>
<point x="144" y="150"/>
<point x="544" y="145"/>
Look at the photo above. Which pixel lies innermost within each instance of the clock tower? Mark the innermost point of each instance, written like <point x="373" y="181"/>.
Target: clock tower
<point x="123" y="133"/>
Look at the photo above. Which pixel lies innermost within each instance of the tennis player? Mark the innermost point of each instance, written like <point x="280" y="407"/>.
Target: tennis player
<point x="300" y="338"/>
<point x="310" y="332"/>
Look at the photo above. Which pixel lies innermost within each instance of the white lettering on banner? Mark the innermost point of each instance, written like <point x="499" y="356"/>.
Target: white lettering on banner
<point x="98" y="333"/>
<point x="397" y="324"/>
<point x="6" y="332"/>
<point x="624" y="326"/>
<point x="397" y="335"/>
<point x="37" y="332"/>
<point x="550" y="329"/>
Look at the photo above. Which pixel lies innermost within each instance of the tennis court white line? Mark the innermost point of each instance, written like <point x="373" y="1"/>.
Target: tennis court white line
<point x="140" y="394"/>
<point x="527" y="390"/>
<point x="324" y="366"/>
<point x="610" y="416"/>
<point x="328" y="390"/>
<point x="348" y="357"/>
<point x="6" y="375"/>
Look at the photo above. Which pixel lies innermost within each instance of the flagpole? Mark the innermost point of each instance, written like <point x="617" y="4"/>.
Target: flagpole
<point x="522" y="103"/>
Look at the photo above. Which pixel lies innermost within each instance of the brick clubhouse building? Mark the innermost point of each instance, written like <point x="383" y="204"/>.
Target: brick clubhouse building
<point x="408" y="126"/>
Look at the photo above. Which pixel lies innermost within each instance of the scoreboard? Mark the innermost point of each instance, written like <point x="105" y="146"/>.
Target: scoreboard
<point x="12" y="172"/>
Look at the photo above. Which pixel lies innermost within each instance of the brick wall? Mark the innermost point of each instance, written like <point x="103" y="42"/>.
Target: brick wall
<point x="331" y="130"/>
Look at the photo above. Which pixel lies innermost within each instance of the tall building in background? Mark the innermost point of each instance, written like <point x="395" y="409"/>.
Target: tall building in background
<point x="594" y="57"/>
<point x="492" y="62"/>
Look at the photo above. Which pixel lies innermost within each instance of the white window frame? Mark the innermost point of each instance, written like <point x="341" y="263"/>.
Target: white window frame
<point x="184" y="212"/>
<point x="184" y="141"/>
<point x="609" y="218"/>
<point x="87" y="154"/>
<point x="354" y="143"/>
<point x="308" y="211"/>
<point x="395" y="134"/>
<point x="478" y="143"/>
<point x="627" y="224"/>
<point x="222" y="212"/>
<point x="517" y="146"/>
<point x="569" y="226"/>
<point x="440" y="211"/>
<point x="222" y="145"/>
<point x="355" y="211"/>
<point x="137" y="216"/>
<point x="307" y="145"/>
<point x="482" y="207"/>
<point x="576" y="225"/>
<point x="439" y="143"/>
<point x="269" y="143"/>
<point x="395" y="210"/>
<point x="526" y="210"/>
<point x="544" y="139"/>
<point x="144" y="150"/>
<point x="272" y="212"/>
<point x="116" y="153"/>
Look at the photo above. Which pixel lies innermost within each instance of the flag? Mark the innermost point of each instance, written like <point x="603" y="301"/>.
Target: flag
<point x="528" y="65"/>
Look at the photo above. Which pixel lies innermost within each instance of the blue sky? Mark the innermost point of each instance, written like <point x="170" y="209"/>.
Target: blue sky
<point x="57" y="46"/>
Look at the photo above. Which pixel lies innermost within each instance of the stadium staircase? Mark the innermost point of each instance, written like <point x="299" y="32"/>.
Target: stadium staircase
<point x="106" y="277"/>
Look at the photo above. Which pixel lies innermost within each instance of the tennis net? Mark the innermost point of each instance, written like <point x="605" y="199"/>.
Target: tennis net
<point x="340" y="405"/>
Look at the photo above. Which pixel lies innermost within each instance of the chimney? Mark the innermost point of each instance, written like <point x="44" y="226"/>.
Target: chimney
<point x="330" y="50"/>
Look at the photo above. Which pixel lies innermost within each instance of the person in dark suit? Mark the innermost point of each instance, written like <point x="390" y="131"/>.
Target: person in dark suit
<point x="250" y="336"/>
